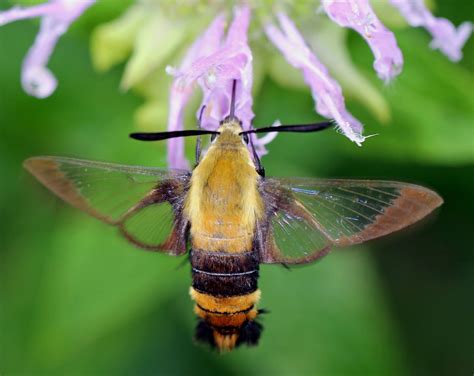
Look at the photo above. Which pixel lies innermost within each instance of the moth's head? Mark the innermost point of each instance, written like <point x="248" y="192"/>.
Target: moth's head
<point x="230" y="133"/>
<point x="226" y="339"/>
<point x="231" y="124"/>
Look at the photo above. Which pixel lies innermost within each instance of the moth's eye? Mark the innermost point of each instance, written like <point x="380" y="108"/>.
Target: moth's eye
<point x="213" y="137"/>
<point x="246" y="138"/>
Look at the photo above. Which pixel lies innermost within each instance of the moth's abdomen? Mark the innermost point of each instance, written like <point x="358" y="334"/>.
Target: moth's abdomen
<point x="225" y="291"/>
<point x="224" y="274"/>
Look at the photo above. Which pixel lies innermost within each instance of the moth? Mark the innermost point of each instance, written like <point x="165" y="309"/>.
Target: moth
<point x="230" y="218"/>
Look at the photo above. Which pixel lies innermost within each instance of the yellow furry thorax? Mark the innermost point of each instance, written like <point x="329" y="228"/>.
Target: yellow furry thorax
<point x="223" y="202"/>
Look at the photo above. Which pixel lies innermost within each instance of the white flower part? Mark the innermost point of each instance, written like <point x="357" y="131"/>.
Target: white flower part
<point x="446" y="37"/>
<point x="172" y="71"/>
<point x="326" y="91"/>
<point x="38" y="81"/>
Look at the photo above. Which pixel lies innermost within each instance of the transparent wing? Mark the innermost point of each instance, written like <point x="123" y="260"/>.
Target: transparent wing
<point x="145" y="203"/>
<point x="339" y="212"/>
<point x="294" y="238"/>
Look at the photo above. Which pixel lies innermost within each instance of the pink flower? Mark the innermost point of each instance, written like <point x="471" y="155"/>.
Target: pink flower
<point x="180" y="92"/>
<point x="56" y="16"/>
<point x="326" y="91"/>
<point x="214" y="69"/>
<point x="220" y="56"/>
<point x="358" y="15"/>
<point x="446" y="37"/>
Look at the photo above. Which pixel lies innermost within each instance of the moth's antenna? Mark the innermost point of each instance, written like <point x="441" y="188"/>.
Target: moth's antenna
<point x="232" y="100"/>
<point x="157" y="136"/>
<point x="315" y="127"/>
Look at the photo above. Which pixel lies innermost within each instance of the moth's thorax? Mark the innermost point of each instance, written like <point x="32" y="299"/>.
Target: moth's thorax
<point x="223" y="202"/>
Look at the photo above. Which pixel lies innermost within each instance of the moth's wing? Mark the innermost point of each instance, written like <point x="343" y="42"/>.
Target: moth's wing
<point x="307" y="216"/>
<point x="144" y="203"/>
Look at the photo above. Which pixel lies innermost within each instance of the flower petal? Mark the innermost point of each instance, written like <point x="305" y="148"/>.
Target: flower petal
<point x="237" y="39"/>
<point x="217" y="99"/>
<point x="176" y="156"/>
<point x="179" y="96"/>
<point x="325" y="90"/>
<point x="329" y="42"/>
<point x="18" y="13"/>
<point x="214" y="73"/>
<point x="56" y="15"/>
<point x="446" y="37"/>
<point x="358" y="15"/>
<point x="214" y="69"/>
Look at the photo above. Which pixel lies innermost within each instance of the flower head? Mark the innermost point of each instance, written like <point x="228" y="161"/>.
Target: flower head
<point x="154" y="32"/>
<point x="218" y="61"/>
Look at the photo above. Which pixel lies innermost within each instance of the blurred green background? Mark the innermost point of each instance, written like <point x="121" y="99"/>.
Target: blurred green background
<point x="77" y="299"/>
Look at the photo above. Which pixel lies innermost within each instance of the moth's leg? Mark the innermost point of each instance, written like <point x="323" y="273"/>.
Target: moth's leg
<point x="258" y="164"/>
<point x="198" y="142"/>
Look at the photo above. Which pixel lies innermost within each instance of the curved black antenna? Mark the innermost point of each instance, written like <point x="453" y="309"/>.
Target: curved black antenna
<point x="158" y="136"/>
<point x="315" y="127"/>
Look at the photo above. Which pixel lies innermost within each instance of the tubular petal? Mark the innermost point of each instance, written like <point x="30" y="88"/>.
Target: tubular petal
<point x="56" y="16"/>
<point x="180" y="93"/>
<point x="18" y="13"/>
<point x="325" y="90"/>
<point x="446" y="37"/>
<point x="358" y="15"/>
<point x="330" y="45"/>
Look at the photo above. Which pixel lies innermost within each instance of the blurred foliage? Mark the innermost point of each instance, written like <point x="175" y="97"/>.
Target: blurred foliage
<point x="77" y="299"/>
